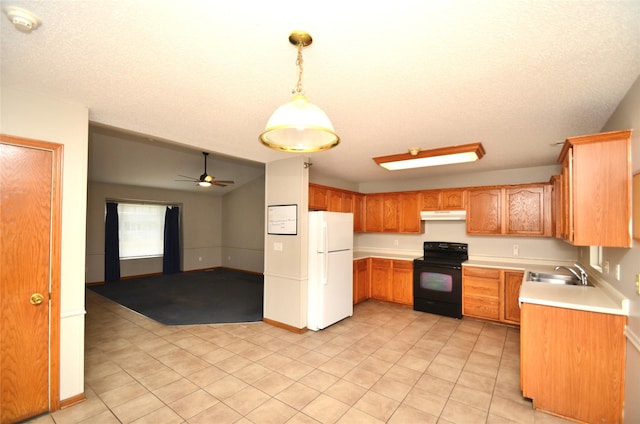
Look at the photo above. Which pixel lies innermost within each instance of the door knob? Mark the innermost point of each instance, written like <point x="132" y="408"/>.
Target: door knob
<point x="36" y="299"/>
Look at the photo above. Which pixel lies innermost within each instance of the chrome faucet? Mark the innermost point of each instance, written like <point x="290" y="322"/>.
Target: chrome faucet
<point x="582" y="276"/>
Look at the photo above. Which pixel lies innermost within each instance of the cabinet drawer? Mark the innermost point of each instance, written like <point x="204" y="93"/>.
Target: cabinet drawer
<point x="481" y="307"/>
<point x="472" y="286"/>
<point x="481" y="272"/>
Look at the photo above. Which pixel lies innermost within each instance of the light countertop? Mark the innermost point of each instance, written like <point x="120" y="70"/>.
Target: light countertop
<point x="602" y="297"/>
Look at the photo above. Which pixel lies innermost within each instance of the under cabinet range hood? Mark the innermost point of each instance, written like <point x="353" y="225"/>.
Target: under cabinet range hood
<point x="443" y="215"/>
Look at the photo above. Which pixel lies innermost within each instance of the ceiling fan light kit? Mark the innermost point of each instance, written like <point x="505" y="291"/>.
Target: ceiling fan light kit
<point x="417" y="158"/>
<point x="299" y="126"/>
<point x="205" y="179"/>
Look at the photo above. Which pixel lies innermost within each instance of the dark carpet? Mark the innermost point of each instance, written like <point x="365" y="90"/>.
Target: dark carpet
<point x="203" y="297"/>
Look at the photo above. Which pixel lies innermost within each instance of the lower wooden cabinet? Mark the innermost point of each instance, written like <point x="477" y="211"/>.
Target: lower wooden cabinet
<point x="481" y="292"/>
<point x="360" y="280"/>
<point x="511" y="307"/>
<point x="402" y="282"/>
<point x="572" y="362"/>
<point x="491" y="293"/>
<point x="390" y="280"/>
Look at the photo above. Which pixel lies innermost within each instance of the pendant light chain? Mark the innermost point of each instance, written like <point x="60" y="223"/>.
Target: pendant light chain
<point x="298" y="89"/>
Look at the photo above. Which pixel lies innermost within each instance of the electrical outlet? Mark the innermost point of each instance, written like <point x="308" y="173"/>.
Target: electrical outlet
<point x="516" y="250"/>
<point x="199" y="258"/>
<point x="229" y="258"/>
<point x="638" y="284"/>
<point x="277" y="246"/>
<point x="618" y="272"/>
<point x="396" y="243"/>
<point x="606" y="267"/>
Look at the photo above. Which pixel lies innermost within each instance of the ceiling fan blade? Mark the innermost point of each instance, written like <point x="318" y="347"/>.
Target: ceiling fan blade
<point x="218" y="184"/>
<point x="190" y="178"/>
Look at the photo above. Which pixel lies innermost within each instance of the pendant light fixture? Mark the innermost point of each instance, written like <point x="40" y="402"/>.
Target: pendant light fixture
<point x="299" y="126"/>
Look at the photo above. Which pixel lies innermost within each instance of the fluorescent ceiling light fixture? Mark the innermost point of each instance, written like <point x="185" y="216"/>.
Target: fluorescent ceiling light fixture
<point x="299" y="126"/>
<point x="417" y="158"/>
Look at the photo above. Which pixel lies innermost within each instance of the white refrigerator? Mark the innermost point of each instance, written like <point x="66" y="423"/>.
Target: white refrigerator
<point x="330" y="291"/>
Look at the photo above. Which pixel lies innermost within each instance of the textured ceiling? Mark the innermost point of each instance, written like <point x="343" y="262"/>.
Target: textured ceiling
<point x="517" y="76"/>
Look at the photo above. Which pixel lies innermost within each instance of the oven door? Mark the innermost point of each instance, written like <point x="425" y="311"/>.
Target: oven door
<point x="437" y="282"/>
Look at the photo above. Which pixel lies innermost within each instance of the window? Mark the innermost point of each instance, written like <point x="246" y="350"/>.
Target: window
<point x="141" y="230"/>
<point x="595" y="257"/>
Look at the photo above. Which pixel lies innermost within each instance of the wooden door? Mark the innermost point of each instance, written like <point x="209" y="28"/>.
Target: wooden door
<point x="29" y="254"/>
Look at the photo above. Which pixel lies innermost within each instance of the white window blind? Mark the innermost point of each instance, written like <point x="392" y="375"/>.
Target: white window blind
<point x="141" y="230"/>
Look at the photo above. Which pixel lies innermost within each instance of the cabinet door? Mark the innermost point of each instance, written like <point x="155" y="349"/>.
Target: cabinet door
<point x="373" y="213"/>
<point x="409" y="212"/>
<point x="381" y="270"/>
<point x="391" y="212"/>
<point x="566" y="215"/>
<point x="402" y="290"/>
<point x="512" y="283"/>
<point x="601" y="192"/>
<point x="318" y="199"/>
<point x="453" y="199"/>
<point x="347" y="202"/>
<point x="573" y="362"/>
<point x="358" y="212"/>
<point x="431" y="200"/>
<point x="335" y="200"/>
<point x="525" y="211"/>
<point x="484" y="212"/>
<point x="556" y="208"/>
<point x="360" y="280"/>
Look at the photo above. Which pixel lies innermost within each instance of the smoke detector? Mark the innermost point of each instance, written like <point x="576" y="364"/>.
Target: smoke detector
<point x="22" y="19"/>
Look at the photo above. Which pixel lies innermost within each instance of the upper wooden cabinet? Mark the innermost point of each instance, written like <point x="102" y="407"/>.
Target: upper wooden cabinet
<point x="443" y="200"/>
<point x="323" y="198"/>
<point x="484" y="211"/>
<point x="318" y="197"/>
<point x="392" y="212"/>
<point x="596" y="189"/>
<point x="523" y="210"/>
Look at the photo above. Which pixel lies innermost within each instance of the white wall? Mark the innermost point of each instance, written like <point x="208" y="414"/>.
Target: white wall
<point x="480" y="247"/>
<point x="285" y="269"/>
<point x="243" y="214"/>
<point x="201" y="222"/>
<point x="627" y="116"/>
<point x="35" y="116"/>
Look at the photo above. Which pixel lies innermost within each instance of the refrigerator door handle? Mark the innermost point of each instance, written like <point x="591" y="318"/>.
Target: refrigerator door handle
<point x="325" y="254"/>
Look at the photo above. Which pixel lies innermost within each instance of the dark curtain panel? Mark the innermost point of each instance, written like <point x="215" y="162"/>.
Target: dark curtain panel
<point x="111" y="244"/>
<point x="171" y="258"/>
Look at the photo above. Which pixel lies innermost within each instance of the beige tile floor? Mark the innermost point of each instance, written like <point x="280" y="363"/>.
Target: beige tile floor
<point x="387" y="363"/>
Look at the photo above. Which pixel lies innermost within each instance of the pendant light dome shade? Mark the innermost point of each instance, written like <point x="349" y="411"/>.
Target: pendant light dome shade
<point x="299" y="126"/>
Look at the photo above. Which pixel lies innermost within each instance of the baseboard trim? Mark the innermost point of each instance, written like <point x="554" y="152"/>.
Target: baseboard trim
<point x="72" y="400"/>
<point x="284" y="326"/>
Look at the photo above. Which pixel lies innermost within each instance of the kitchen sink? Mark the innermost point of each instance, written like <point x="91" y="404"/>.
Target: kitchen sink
<point x="564" y="279"/>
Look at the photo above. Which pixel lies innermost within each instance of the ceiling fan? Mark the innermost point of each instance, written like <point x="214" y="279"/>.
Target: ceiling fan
<point x="205" y="179"/>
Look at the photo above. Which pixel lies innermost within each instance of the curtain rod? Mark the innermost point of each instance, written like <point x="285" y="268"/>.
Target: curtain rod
<point x="143" y="202"/>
